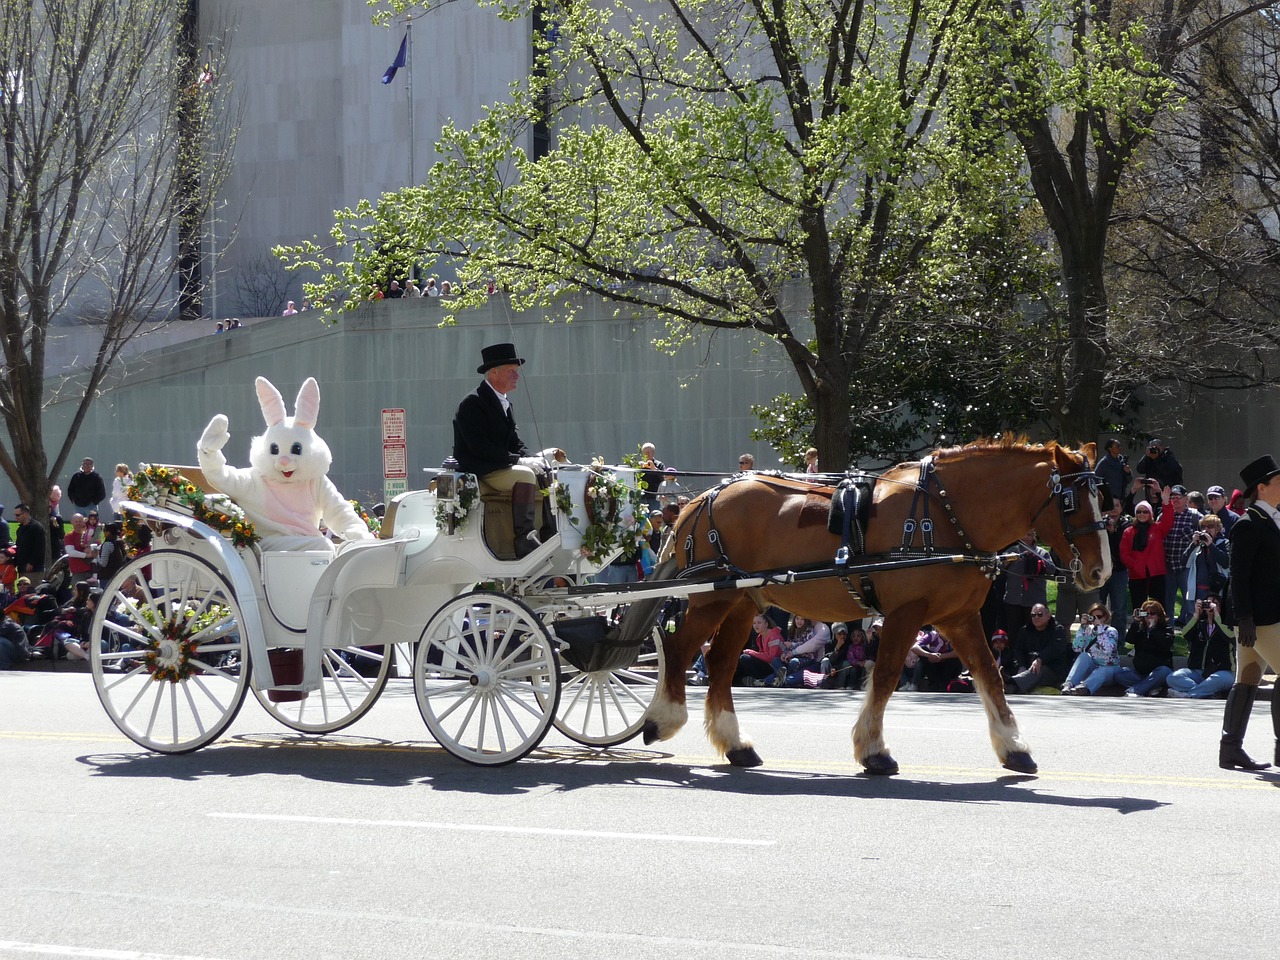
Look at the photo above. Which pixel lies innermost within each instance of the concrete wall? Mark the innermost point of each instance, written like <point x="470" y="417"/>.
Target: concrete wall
<point x="595" y="386"/>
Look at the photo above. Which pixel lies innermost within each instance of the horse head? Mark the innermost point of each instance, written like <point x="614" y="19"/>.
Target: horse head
<point x="1074" y="526"/>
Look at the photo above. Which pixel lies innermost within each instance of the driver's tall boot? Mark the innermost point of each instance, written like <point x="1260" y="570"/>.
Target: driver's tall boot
<point x="524" y="502"/>
<point x="1235" y="721"/>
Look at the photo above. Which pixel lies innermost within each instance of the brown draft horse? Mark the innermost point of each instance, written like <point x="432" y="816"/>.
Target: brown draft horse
<point x="981" y="498"/>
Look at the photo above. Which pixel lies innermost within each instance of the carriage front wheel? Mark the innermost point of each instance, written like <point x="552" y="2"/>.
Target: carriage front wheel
<point x="170" y="665"/>
<point x="487" y="678"/>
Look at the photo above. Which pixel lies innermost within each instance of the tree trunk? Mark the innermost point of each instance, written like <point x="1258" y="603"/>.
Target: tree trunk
<point x="1078" y="408"/>
<point x="829" y="397"/>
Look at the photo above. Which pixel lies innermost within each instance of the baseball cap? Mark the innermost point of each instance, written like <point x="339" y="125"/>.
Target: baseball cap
<point x="1214" y="491"/>
<point x="1179" y="489"/>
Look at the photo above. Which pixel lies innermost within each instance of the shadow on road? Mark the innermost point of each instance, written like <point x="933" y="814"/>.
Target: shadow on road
<point x="386" y="764"/>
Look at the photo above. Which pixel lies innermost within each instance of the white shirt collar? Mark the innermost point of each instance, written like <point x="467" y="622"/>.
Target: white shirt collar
<point x="502" y="397"/>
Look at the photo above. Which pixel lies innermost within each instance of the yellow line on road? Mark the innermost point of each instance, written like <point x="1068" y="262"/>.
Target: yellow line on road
<point x="555" y="755"/>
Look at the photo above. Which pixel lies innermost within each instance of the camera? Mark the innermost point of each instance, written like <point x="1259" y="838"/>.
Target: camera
<point x="1086" y="620"/>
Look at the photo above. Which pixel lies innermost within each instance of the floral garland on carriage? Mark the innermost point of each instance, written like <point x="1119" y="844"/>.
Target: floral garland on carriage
<point x="452" y="514"/>
<point x="165" y="487"/>
<point x="607" y="522"/>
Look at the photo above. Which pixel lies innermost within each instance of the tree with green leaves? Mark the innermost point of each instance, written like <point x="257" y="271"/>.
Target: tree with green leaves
<point x="110" y="153"/>
<point x="1099" y="94"/>
<point x="801" y="171"/>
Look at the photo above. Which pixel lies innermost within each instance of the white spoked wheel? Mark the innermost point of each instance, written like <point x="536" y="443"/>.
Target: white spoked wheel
<point x="351" y="680"/>
<point x="487" y="678"/>
<point x="606" y="707"/>
<point x="172" y="665"/>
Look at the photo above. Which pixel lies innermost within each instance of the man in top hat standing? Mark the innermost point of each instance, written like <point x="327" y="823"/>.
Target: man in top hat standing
<point x="486" y="443"/>
<point x="1255" y="594"/>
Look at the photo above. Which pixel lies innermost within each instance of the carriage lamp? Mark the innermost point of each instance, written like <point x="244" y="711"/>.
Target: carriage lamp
<point x="446" y="481"/>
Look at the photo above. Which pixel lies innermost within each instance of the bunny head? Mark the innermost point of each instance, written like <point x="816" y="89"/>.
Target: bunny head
<point x="289" y="451"/>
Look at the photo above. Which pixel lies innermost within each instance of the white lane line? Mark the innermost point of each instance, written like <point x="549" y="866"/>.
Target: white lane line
<point x="491" y="828"/>
<point x="62" y="950"/>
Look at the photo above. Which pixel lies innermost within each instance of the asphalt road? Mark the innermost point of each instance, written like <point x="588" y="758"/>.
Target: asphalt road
<point x="375" y="843"/>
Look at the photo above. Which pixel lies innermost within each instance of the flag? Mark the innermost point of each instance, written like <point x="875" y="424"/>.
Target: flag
<point x="399" y="61"/>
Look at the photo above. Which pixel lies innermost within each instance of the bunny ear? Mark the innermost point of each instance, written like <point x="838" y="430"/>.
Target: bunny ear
<point x="270" y="400"/>
<point x="307" y="407"/>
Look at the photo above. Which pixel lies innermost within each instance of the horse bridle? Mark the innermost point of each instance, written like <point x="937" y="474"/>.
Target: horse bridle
<point x="1062" y="490"/>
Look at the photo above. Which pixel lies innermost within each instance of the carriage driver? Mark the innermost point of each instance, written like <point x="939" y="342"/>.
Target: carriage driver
<point x="486" y="443"/>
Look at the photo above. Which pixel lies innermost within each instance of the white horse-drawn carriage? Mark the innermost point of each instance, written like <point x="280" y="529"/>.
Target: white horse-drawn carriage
<point x="497" y="651"/>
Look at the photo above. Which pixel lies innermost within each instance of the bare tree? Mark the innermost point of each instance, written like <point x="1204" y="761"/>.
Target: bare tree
<point x="112" y="151"/>
<point x="260" y="285"/>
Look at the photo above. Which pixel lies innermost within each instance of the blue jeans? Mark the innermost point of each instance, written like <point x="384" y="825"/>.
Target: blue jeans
<point x="617" y="573"/>
<point x="1115" y="593"/>
<point x="1196" y="685"/>
<point x="1084" y="666"/>
<point x="1130" y="679"/>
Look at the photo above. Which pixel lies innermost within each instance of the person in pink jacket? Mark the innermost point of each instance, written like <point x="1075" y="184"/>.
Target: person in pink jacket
<point x="1142" y="550"/>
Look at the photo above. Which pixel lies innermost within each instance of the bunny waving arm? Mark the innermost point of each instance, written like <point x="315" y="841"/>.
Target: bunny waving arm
<point x="213" y="464"/>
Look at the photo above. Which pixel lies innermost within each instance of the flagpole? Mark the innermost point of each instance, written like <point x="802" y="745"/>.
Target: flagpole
<point x="409" y="22"/>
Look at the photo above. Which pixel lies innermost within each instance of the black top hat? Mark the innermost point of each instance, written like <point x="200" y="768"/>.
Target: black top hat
<point x="1259" y="471"/>
<point x="498" y="355"/>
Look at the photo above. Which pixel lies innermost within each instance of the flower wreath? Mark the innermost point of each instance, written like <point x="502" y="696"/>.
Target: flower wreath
<point x="452" y="515"/>
<point x="606" y="529"/>
<point x="373" y="522"/>
<point x="172" y="658"/>
<point x="165" y="487"/>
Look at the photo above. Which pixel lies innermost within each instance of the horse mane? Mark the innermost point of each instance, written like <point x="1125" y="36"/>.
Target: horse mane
<point x="985" y="444"/>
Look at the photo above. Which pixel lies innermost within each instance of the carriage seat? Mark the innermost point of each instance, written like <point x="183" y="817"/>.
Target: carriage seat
<point x="499" y="534"/>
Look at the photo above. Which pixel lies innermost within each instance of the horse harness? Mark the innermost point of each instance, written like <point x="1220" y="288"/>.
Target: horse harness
<point x="848" y="516"/>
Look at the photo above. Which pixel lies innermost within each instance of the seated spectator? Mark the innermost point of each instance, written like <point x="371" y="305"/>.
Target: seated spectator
<point x="1002" y="653"/>
<point x="1211" y="648"/>
<point x="938" y="663"/>
<point x="1152" y="640"/>
<point x="14" y="648"/>
<point x="761" y="660"/>
<point x="1043" y="651"/>
<point x="1097" y="644"/>
<point x="71" y="626"/>
<point x="22" y="605"/>
<point x="807" y="645"/>
<point x="845" y="666"/>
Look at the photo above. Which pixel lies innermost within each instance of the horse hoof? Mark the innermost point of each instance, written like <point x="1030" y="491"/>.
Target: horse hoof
<point x="1020" y="762"/>
<point x="880" y="765"/>
<point x="744" y="757"/>
<point x="650" y="732"/>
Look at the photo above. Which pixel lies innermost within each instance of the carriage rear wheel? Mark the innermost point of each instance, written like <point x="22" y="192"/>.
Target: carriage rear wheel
<point x="486" y="677"/>
<point x="607" y="707"/>
<point x="171" y="667"/>
<point x="351" y="680"/>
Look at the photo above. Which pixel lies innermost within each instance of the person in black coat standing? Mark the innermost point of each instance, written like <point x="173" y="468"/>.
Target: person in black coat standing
<point x="86" y="488"/>
<point x="1255" y="596"/>
<point x="486" y="443"/>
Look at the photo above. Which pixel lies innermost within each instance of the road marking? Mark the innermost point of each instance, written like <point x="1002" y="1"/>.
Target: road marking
<point x="494" y="828"/>
<point x="574" y="754"/>
<point x="62" y="950"/>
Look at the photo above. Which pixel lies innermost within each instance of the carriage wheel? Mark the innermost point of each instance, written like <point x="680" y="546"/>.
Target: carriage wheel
<point x="487" y="678"/>
<point x="607" y="707"/>
<point x="351" y="680"/>
<point x="172" y="665"/>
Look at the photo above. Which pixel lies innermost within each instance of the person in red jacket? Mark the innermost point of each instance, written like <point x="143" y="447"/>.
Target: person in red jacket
<point x="1142" y="551"/>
